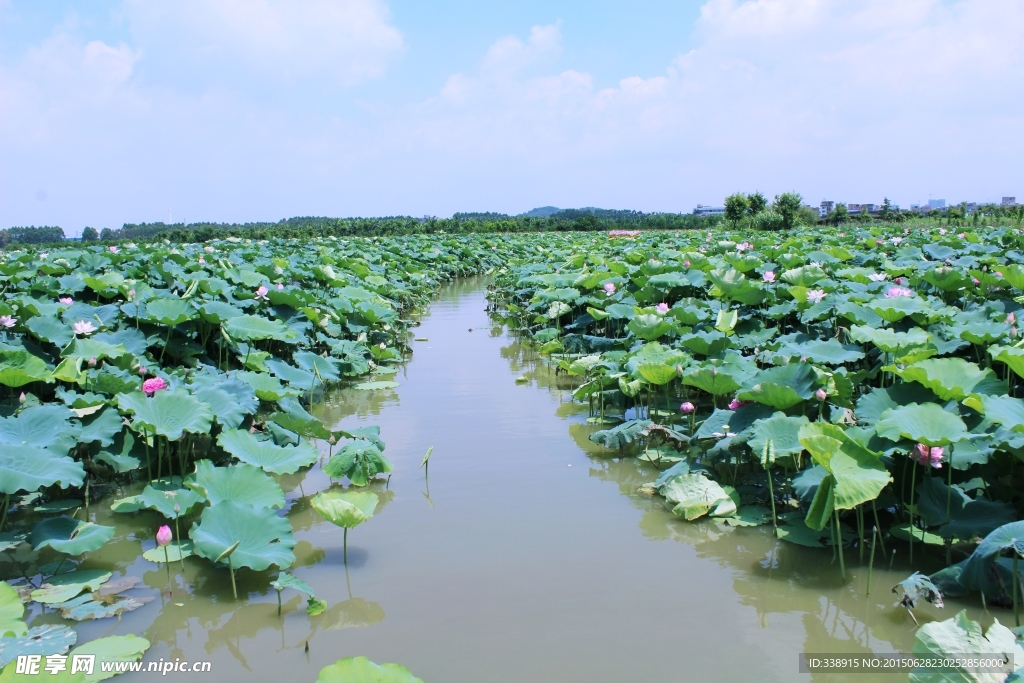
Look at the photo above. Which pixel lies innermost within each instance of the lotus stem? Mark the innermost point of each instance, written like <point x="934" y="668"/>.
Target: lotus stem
<point x="839" y="537"/>
<point x="167" y="341"/>
<point x="874" y="509"/>
<point x="949" y="488"/>
<point x="3" y="515"/>
<point x="345" y="546"/>
<point x="279" y="602"/>
<point x="167" y="561"/>
<point x="181" y="554"/>
<point x="1016" y="583"/>
<point x="871" y="557"/>
<point x="771" y="496"/>
<point x="231" y="570"/>
<point x="860" y="532"/>
<point x="913" y="480"/>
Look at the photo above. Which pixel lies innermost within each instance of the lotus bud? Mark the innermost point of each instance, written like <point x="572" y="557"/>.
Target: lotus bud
<point x="769" y="276"/>
<point x="142" y="371"/>
<point x="332" y="440"/>
<point x="661" y="308"/>
<point x="383" y="346"/>
<point x="820" y="394"/>
<point x="1013" y="331"/>
<point x="21" y="399"/>
<point x="686" y="408"/>
<point x="1010" y="318"/>
<point x="609" y="288"/>
<point x="280" y="286"/>
<point x="679" y="369"/>
<point x="164" y="535"/>
<point x="92" y="362"/>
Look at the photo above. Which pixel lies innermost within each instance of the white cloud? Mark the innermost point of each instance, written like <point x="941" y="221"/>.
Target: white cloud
<point x="327" y="42"/>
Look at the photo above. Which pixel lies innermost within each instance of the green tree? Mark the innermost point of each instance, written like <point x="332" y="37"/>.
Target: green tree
<point x="106" y="234"/>
<point x="886" y="213"/>
<point x="807" y="215"/>
<point x="787" y="205"/>
<point x="89" y="234"/>
<point x="756" y="203"/>
<point x="736" y="206"/>
<point x="838" y="215"/>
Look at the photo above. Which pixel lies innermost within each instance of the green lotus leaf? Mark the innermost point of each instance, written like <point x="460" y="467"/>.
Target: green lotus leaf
<point x="128" y="648"/>
<point x="780" y="387"/>
<point x="124" y="454"/>
<point x="51" y="639"/>
<point x="69" y="535"/>
<point x="707" y="343"/>
<point x="782" y="431"/>
<point x="621" y="435"/>
<point x="285" y="580"/>
<point x="88" y="607"/>
<point x="291" y="374"/>
<point x="131" y="339"/>
<point x="27" y="468"/>
<point x="1003" y="410"/>
<point x="1010" y="355"/>
<point x="217" y="312"/>
<point x="226" y="409"/>
<point x="175" y="552"/>
<point x="978" y="572"/>
<point x="63" y="587"/>
<point x="320" y="366"/>
<point x="804" y="276"/>
<point x="310" y="428"/>
<point x="360" y="461"/>
<point x="981" y="333"/>
<point x="162" y="497"/>
<point x="240" y="483"/>
<point x="101" y="427"/>
<point x="667" y="281"/>
<point x="750" y="515"/>
<point x="42" y="426"/>
<point x="649" y="326"/>
<point x="829" y="352"/>
<point x="11" y="611"/>
<point x="888" y="340"/>
<point x="924" y="423"/>
<point x="657" y="374"/>
<point x="896" y="309"/>
<point x="249" y="328"/>
<point x="362" y="670"/>
<point x="951" y="378"/>
<point x="18" y="368"/>
<point x="170" y="312"/>
<point x="267" y="388"/>
<point x="961" y="637"/>
<point x="85" y="348"/>
<point x="795" y="530"/>
<point x="9" y="540"/>
<point x="169" y="413"/>
<point x="732" y="284"/>
<point x="712" y="379"/>
<point x="54" y="507"/>
<point x="694" y="496"/>
<point x="48" y="329"/>
<point x="263" y="538"/>
<point x="967" y="518"/>
<point x="371" y="386"/>
<point x="348" y="510"/>
<point x="266" y="455"/>
<point x="856" y="475"/>
<point x="945" y="278"/>
<point x="127" y="504"/>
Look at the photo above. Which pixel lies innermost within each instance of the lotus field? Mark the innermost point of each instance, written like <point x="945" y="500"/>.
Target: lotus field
<point x="854" y="390"/>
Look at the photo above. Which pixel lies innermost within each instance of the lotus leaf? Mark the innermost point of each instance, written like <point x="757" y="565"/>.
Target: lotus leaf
<point x="924" y="423"/>
<point x="266" y="455"/>
<point x="27" y="468"/>
<point x="263" y="538"/>
<point x="267" y="388"/>
<point x="961" y="637"/>
<point x="240" y="483"/>
<point x="978" y="570"/>
<point x="18" y="368"/>
<point x="51" y="639"/>
<point x="128" y="648"/>
<point x="362" y="670"/>
<point x="780" y="387"/>
<point x="11" y="611"/>
<point x="249" y="328"/>
<point x="170" y="312"/>
<point x="782" y="431"/>
<point x="85" y="607"/>
<point x="168" y="413"/>
<point x="69" y="535"/>
<point x="174" y="551"/>
<point x="694" y="496"/>
<point x="162" y="497"/>
<point x="63" y="587"/>
<point x="41" y="426"/>
<point x="952" y="378"/>
<point x="346" y="510"/>
<point x="360" y="461"/>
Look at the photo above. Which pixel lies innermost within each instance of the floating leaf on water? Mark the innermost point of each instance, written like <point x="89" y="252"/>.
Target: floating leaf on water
<point x="961" y="637"/>
<point x="176" y="550"/>
<point x="352" y="613"/>
<point x="63" y="587"/>
<point x="903" y="531"/>
<point x="69" y="535"/>
<point x="51" y="639"/>
<point x="315" y="606"/>
<point x="163" y="498"/>
<point x="750" y="515"/>
<point x="370" y="386"/>
<point x="129" y="504"/>
<point x="12" y="539"/>
<point x="86" y="607"/>
<point x="55" y="506"/>
<point x="262" y="538"/>
<point x="128" y="648"/>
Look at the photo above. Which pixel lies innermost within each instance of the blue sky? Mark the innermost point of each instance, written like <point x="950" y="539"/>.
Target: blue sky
<point x="120" y="111"/>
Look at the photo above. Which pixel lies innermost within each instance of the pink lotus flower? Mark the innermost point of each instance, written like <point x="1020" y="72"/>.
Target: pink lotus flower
<point x="942" y="231"/>
<point x="164" y="535"/>
<point x="142" y="371"/>
<point x="815" y="296"/>
<point x="929" y="456"/>
<point x="961" y="235"/>
<point x="661" y="308"/>
<point x="686" y="408"/>
<point x="820" y="395"/>
<point x="768" y="276"/>
<point x="877" y="277"/>
<point x="131" y="294"/>
<point x="112" y="249"/>
<point x="261" y="293"/>
<point x="1010" y="318"/>
<point x="208" y="250"/>
<point x="898" y="281"/>
<point x="280" y="286"/>
<point x="153" y="385"/>
<point x="895" y="292"/>
<point x="84" y="328"/>
<point x="686" y="264"/>
<point x="202" y="261"/>
<point x="736" y="404"/>
<point x="976" y="281"/>
<point x="66" y="300"/>
<point x="92" y="362"/>
<point x="8" y="321"/>
<point x="609" y="288"/>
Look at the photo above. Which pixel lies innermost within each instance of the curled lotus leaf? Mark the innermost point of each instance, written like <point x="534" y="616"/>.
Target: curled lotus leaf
<point x="241" y="483"/>
<point x="952" y="378"/>
<point x="63" y="587"/>
<point x="978" y="570"/>
<point x="19" y="367"/>
<point x="265" y="454"/>
<point x="360" y="461"/>
<point x="780" y="387"/>
<point x="263" y="538"/>
<point x="163" y="497"/>
<point x="168" y="413"/>
<point x="694" y="496"/>
<point x="961" y="637"/>
<point x="362" y="670"/>
<point x="348" y="510"/>
<point x="69" y="535"/>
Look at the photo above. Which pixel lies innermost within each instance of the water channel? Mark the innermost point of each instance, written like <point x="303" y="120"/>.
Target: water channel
<point x="528" y="555"/>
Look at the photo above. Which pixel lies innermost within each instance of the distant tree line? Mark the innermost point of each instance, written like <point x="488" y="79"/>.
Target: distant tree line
<point x="31" y="235"/>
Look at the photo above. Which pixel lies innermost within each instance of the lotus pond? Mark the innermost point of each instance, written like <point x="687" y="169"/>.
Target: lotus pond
<point x="605" y="459"/>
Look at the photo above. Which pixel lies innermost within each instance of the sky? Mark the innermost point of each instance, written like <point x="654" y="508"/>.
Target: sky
<point x="127" y="111"/>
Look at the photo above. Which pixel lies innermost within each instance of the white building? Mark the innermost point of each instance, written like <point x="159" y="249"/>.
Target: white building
<point x="702" y="210"/>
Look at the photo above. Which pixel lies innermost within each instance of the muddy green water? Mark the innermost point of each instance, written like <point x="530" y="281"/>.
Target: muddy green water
<point x="528" y="556"/>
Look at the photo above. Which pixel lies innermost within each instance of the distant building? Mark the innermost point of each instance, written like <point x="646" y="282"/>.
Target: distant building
<point x="702" y="210"/>
<point x="936" y="203"/>
<point x="826" y="208"/>
<point x="862" y="208"/>
<point x="1009" y="201"/>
